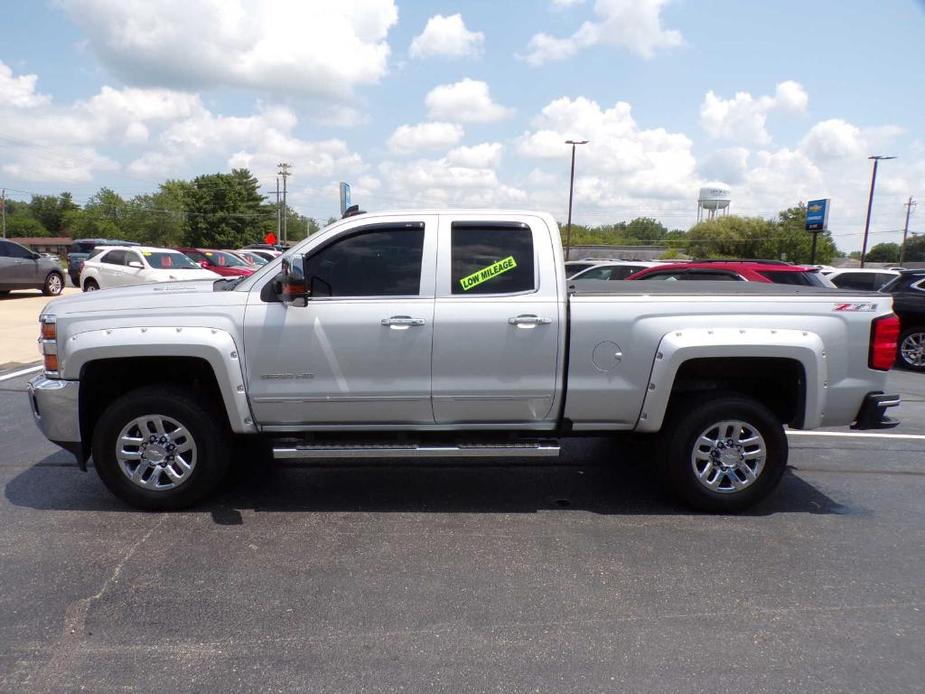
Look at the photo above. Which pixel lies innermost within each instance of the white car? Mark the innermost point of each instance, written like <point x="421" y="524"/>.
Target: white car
<point x="267" y="253"/>
<point x="613" y="270"/>
<point x="122" y="266"/>
<point x="862" y="278"/>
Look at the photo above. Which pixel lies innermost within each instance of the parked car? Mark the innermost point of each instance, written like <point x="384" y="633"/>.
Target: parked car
<point x="573" y="267"/>
<point x="448" y="335"/>
<point x="265" y="251"/>
<point x="614" y="270"/>
<point x="767" y="272"/>
<point x="81" y="249"/>
<point x="908" y="292"/>
<point x="224" y="263"/>
<point x="21" y="268"/>
<point x="867" y="279"/>
<point x="122" y="267"/>
<point x="251" y="257"/>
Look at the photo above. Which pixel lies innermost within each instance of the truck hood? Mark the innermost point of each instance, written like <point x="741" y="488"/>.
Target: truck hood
<point x="162" y="295"/>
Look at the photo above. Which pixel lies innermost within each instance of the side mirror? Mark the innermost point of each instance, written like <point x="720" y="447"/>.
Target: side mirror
<point x="292" y="282"/>
<point x="136" y="264"/>
<point x="204" y="264"/>
<point x="36" y="256"/>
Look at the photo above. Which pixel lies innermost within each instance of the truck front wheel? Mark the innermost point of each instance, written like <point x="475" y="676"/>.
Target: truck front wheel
<point x="723" y="454"/>
<point x="160" y="448"/>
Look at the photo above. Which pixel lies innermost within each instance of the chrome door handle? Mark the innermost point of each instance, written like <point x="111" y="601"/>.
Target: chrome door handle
<point x="529" y="319"/>
<point x="402" y="322"/>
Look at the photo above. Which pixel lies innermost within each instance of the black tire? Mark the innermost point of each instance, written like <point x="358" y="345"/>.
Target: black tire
<point x="91" y="285"/>
<point x="203" y="422"/>
<point x="914" y="360"/>
<point x="681" y="432"/>
<point x="54" y="284"/>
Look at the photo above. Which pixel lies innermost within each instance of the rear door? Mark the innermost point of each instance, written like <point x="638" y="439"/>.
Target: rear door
<point x="497" y="322"/>
<point x="111" y="269"/>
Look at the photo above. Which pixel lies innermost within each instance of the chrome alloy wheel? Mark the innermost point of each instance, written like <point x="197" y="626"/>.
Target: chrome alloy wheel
<point x="54" y="284"/>
<point x="156" y="452"/>
<point x="728" y="456"/>
<point x="912" y="349"/>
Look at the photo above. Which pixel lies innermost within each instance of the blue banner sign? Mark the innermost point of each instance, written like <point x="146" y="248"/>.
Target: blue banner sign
<point x="817" y="215"/>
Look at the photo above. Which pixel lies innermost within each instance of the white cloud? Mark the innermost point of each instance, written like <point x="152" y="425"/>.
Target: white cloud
<point x="563" y="4"/>
<point x="440" y="183"/>
<point x="483" y="156"/>
<point x="19" y="91"/>
<point x="634" y="25"/>
<point x="833" y="139"/>
<point x="728" y="165"/>
<point x="447" y="37"/>
<point x="407" y="139"/>
<point x="467" y="101"/>
<point x="307" y="47"/>
<point x="743" y="118"/>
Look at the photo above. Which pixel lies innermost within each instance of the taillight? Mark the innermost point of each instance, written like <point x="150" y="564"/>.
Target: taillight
<point x="884" y="334"/>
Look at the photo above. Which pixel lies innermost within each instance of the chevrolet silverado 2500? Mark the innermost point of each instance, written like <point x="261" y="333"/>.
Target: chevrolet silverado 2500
<point x="441" y="335"/>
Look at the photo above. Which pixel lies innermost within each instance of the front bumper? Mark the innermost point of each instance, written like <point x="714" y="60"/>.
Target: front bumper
<point x="54" y="404"/>
<point x="872" y="414"/>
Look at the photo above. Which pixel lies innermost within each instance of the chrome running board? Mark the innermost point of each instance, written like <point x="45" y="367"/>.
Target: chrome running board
<point x="525" y="449"/>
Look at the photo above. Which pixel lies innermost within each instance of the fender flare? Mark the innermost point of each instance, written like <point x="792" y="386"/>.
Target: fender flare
<point x="216" y="347"/>
<point x="678" y="347"/>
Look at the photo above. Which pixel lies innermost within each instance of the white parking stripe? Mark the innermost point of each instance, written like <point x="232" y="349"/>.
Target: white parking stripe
<point x="21" y="372"/>
<point x="859" y="435"/>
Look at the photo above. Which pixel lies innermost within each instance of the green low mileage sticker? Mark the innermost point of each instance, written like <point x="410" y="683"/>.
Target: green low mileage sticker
<point x="485" y="274"/>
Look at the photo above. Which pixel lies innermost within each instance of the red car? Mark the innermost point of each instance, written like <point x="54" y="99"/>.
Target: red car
<point x="224" y="263"/>
<point x="735" y="270"/>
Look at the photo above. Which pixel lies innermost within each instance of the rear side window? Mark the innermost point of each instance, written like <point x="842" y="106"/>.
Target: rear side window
<point x="490" y="258"/>
<point x="114" y="258"/>
<point x="670" y="275"/>
<point x="802" y="279"/>
<point x="711" y="276"/>
<point x="380" y="262"/>
<point x="854" y="280"/>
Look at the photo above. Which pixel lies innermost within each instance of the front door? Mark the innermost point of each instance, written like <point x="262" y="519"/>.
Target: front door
<point x="360" y="351"/>
<point x="497" y="340"/>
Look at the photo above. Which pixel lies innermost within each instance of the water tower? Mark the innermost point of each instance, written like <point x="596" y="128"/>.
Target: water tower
<point x="713" y="198"/>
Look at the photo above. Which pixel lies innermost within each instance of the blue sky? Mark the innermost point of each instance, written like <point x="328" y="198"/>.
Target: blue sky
<point x="466" y="104"/>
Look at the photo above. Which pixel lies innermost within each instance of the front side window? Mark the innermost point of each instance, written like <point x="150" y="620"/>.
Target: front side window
<point x="14" y="250"/>
<point x="489" y="258"/>
<point x="380" y="262"/>
<point x="162" y="260"/>
<point x="597" y="273"/>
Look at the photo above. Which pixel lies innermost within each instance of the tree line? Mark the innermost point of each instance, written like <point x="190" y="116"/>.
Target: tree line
<point x="221" y="210"/>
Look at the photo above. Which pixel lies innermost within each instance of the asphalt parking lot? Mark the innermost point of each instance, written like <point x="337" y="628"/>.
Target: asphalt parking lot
<point x="574" y="576"/>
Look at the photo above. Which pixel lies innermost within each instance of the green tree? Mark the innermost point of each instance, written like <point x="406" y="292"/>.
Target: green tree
<point x="102" y="217"/>
<point x="730" y="237"/>
<point x="915" y="250"/>
<point x="645" y="229"/>
<point x="226" y="211"/>
<point x="20" y="222"/>
<point x="884" y="253"/>
<point x="50" y="210"/>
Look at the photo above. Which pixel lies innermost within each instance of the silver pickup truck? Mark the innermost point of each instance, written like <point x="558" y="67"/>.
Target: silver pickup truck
<point x="442" y="335"/>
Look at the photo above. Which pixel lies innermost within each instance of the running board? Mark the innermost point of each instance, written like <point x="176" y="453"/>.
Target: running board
<point x="541" y="449"/>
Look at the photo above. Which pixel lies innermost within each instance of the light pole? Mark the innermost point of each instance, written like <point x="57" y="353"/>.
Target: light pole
<point x="870" y="202"/>
<point x="571" y="190"/>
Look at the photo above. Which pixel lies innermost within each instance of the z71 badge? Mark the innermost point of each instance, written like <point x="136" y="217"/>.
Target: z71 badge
<point x="856" y="307"/>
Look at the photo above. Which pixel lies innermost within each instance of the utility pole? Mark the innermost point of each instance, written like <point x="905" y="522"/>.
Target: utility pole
<point x="278" y="213"/>
<point x="3" y="209"/>
<point x="571" y="191"/>
<point x="870" y="203"/>
<point x="902" y="249"/>
<point x="284" y="173"/>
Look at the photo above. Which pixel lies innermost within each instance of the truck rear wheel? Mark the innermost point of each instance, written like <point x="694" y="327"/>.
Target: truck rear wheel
<point x="724" y="454"/>
<point x="160" y="448"/>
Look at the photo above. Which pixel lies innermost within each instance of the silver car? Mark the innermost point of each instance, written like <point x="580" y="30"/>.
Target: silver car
<point x="21" y="268"/>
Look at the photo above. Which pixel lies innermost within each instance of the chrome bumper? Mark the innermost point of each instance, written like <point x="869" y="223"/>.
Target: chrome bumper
<point x="54" y="406"/>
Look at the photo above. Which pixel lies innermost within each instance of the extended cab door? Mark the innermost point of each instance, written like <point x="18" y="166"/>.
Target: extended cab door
<point x="359" y="352"/>
<point x="498" y="323"/>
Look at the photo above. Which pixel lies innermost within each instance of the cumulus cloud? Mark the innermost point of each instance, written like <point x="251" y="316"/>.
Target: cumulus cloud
<point x="467" y="101"/>
<point x="441" y="183"/>
<point x="633" y="25"/>
<point x="447" y="37"/>
<point x="485" y="155"/>
<point x="407" y="139"/>
<point x="743" y="118"/>
<point x="19" y="91"/>
<point x="307" y="47"/>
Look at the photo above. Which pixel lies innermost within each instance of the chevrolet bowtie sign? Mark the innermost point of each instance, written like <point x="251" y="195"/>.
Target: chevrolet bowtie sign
<point x="817" y="215"/>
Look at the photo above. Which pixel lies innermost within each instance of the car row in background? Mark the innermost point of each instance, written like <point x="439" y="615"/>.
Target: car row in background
<point x="122" y="267"/>
<point x="21" y="268"/>
<point x="81" y="249"/>
<point x="908" y="292"/>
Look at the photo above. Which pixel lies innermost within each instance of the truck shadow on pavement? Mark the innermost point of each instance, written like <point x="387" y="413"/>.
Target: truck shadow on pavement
<point x="622" y="487"/>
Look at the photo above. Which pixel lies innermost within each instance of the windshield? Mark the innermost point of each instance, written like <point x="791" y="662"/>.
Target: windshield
<point x="223" y="259"/>
<point x="165" y="260"/>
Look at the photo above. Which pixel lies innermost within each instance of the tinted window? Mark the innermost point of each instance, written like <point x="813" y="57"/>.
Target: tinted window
<point x="667" y="275"/>
<point x="164" y="260"/>
<point x="802" y="279"/>
<point x="572" y="269"/>
<point x="14" y="250"/>
<point x="711" y="276"/>
<point x="195" y="255"/>
<point x="114" y="258"/>
<point x="491" y="259"/>
<point x="597" y="273"/>
<point x="854" y="280"/>
<point x="222" y="259"/>
<point x="882" y="279"/>
<point x="384" y="262"/>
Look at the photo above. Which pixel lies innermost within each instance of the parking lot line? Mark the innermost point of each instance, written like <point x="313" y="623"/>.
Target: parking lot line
<point x="21" y="372"/>
<point x="858" y="435"/>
